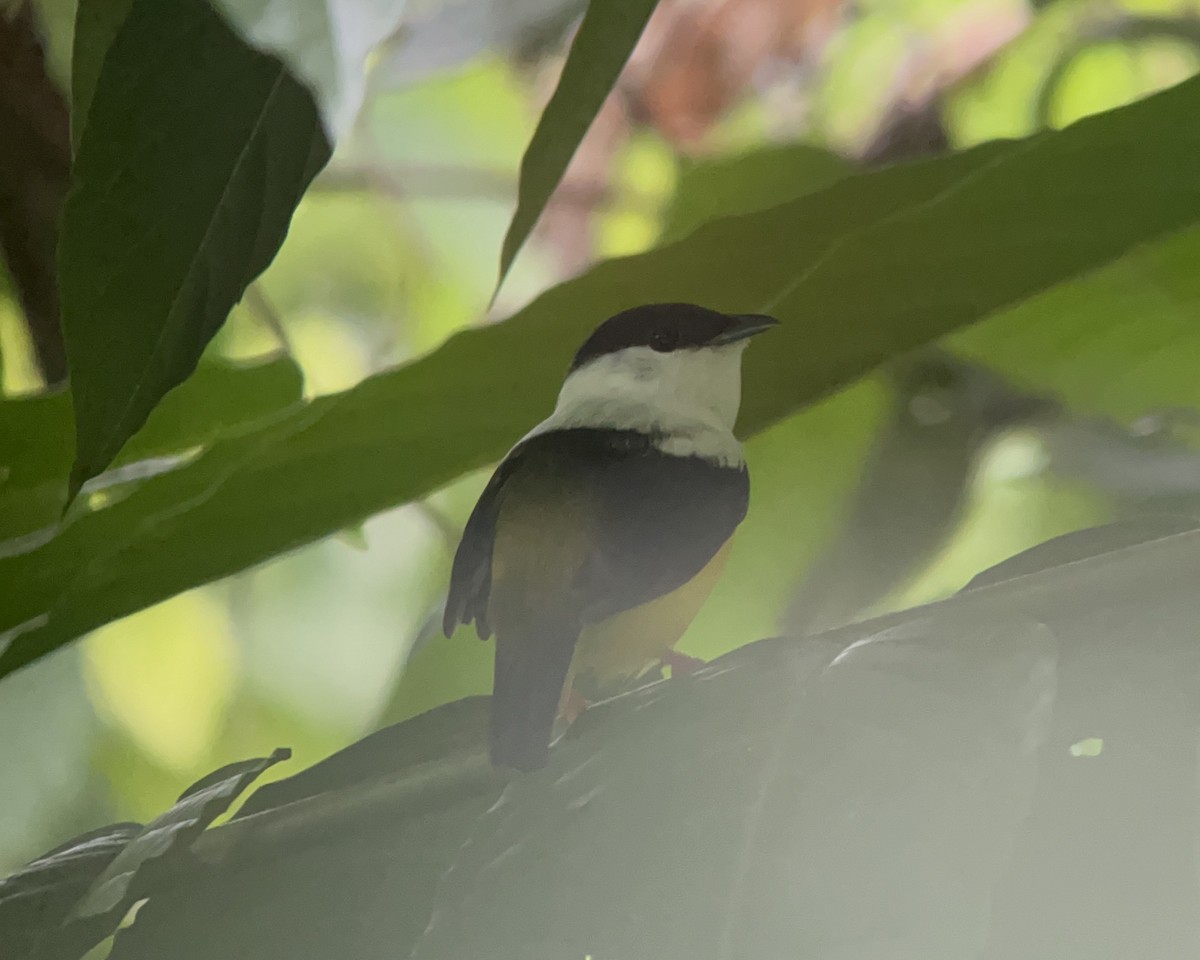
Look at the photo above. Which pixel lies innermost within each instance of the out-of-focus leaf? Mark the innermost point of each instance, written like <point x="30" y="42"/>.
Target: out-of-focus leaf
<point x="37" y="442"/>
<point x="605" y="39"/>
<point x="325" y="42"/>
<point x="1142" y="471"/>
<point x="142" y="856"/>
<point x="873" y="266"/>
<point x="903" y="788"/>
<point x="96" y="26"/>
<point x="1082" y="544"/>
<point x="221" y="397"/>
<point x="195" y="152"/>
<point x="38" y="897"/>
<point x="1119" y="342"/>
<point x="764" y="178"/>
<point x="913" y="487"/>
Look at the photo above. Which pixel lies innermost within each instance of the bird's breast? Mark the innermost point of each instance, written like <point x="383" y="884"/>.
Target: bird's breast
<point x="625" y="645"/>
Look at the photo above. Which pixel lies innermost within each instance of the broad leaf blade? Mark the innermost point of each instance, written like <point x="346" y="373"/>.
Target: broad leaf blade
<point x="606" y="38"/>
<point x="802" y="763"/>
<point x="904" y="788"/>
<point x="758" y="180"/>
<point x="37" y="442"/>
<point x="96" y="26"/>
<point x="818" y="261"/>
<point x="195" y="152"/>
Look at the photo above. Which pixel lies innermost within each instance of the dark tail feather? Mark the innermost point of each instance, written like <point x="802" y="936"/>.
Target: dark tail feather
<point x="530" y="672"/>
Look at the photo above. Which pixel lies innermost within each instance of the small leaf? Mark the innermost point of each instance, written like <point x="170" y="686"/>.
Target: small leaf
<point x="38" y="897"/>
<point x="195" y="152"/>
<point x="127" y="876"/>
<point x="606" y="38"/>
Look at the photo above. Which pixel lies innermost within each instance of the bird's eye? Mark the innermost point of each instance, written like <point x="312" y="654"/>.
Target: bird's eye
<point x="663" y="340"/>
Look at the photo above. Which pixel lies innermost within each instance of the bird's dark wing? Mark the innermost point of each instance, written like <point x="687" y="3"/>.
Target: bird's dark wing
<point x="471" y="572"/>
<point x="655" y="520"/>
<point x="661" y="519"/>
<point x="593" y="522"/>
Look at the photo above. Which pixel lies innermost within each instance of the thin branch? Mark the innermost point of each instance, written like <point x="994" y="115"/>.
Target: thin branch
<point x="464" y="183"/>
<point x="262" y="308"/>
<point x="1094" y="33"/>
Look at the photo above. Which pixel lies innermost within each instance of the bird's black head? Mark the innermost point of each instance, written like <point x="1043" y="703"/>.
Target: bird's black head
<point x="666" y="327"/>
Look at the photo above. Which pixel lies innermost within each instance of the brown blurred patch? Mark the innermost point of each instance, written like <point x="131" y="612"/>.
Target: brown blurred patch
<point x="35" y="158"/>
<point x="696" y="60"/>
<point x="699" y="58"/>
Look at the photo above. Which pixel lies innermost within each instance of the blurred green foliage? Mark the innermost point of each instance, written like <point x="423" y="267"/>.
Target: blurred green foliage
<point x="393" y="251"/>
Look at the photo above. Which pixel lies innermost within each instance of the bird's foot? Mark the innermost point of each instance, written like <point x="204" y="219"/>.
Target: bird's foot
<point x="681" y="664"/>
<point x="573" y="704"/>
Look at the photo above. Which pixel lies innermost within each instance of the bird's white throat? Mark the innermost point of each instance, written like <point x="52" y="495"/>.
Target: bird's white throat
<point x="687" y="398"/>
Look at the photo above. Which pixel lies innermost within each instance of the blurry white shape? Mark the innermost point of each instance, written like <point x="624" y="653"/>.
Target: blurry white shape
<point x="458" y="31"/>
<point x="326" y="42"/>
<point x="1016" y="455"/>
<point x="1089" y="747"/>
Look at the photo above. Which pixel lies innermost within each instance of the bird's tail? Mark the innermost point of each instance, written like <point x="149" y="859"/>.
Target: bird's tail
<point x="531" y="670"/>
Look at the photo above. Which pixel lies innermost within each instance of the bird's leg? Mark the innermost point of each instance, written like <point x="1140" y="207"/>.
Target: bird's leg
<point x="681" y="664"/>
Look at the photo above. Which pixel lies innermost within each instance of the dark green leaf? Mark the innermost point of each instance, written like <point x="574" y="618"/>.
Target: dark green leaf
<point x="96" y="25"/>
<point x="220" y="398"/>
<point x="38" y="897"/>
<point x="453" y="729"/>
<point x="605" y="39"/>
<point x="904" y="788"/>
<point x="37" y="442"/>
<point x="709" y="189"/>
<point x="195" y="152"/>
<point x="873" y="266"/>
<point x="143" y="859"/>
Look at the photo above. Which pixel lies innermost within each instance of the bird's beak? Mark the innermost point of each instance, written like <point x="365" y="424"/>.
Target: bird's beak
<point x="743" y="326"/>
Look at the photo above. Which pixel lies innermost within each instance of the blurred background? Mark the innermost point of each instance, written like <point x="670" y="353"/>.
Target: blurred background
<point x="894" y="492"/>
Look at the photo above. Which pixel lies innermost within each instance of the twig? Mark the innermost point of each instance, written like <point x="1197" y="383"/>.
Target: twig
<point x="1094" y="33"/>
<point x="465" y="183"/>
<point x="262" y="308"/>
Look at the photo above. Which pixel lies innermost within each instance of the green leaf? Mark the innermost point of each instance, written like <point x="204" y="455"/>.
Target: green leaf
<point x="71" y="898"/>
<point x="36" y="899"/>
<point x="195" y="152"/>
<point x="912" y="488"/>
<point x="904" y="788"/>
<point x="605" y="39"/>
<point x="96" y="26"/>
<point x="149" y="855"/>
<point x="874" y="265"/>
<point x="37" y="442"/>
<point x="723" y="187"/>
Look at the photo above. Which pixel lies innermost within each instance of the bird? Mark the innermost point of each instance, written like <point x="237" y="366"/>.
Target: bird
<point x="604" y="529"/>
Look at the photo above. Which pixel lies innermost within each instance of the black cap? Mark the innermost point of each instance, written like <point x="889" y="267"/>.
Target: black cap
<point x="669" y="326"/>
